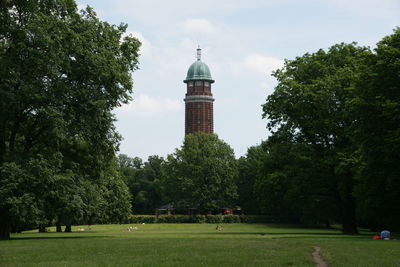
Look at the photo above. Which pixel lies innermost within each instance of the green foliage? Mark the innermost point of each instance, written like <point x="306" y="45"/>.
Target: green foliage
<point x="181" y="219"/>
<point x="250" y="169"/>
<point x="201" y="174"/>
<point x="116" y="196"/>
<point x="199" y="218"/>
<point x="264" y="219"/>
<point x="378" y="109"/>
<point x="142" y="219"/>
<point x="212" y="219"/>
<point x="61" y="74"/>
<point x="15" y="200"/>
<point x="311" y="109"/>
<point x="144" y="181"/>
<point x="333" y="152"/>
<point x="231" y="218"/>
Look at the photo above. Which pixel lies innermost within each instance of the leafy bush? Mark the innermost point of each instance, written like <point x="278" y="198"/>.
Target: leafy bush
<point x="199" y="219"/>
<point x="231" y="219"/>
<point x="217" y="219"/>
<point x="214" y="218"/>
<point x="142" y="219"/>
<point x="174" y="219"/>
<point x="263" y="219"/>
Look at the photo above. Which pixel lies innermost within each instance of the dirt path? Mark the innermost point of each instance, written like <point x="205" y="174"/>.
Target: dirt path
<point x="317" y="258"/>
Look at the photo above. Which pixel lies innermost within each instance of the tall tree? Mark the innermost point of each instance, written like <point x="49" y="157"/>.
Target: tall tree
<point x="61" y="74"/>
<point x="251" y="168"/>
<point x="144" y="181"/>
<point x="312" y="101"/>
<point x="292" y="183"/>
<point x="202" y="173"/>
<point x="377" y="106"/>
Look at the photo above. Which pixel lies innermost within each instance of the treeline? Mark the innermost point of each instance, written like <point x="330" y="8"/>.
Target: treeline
<point x="332" y="156"/>
<point x="199" y="178"/>
<point x="333" y="153"/>
<point x="61" y="74"/>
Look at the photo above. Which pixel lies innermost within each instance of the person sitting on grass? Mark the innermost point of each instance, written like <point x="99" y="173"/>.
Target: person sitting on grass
<point x="385" y="235"/>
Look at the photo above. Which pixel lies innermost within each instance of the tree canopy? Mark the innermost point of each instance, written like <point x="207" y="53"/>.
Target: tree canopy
<point x="202" y="174"/>
<point x="62" y="71"/>
<point x="334" y="122"/>
<point x="145" y="182"/>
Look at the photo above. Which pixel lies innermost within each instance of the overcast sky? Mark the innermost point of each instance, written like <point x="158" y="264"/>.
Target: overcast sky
<point x="242" y="42"/>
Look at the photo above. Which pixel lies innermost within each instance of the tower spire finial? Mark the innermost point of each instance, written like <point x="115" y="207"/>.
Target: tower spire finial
<point x="198" y="53"/>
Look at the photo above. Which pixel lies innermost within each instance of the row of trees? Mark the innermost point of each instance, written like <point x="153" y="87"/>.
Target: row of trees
<point x="61" y="74"/>
<point x="200" y="175"/>
<point x="332" y="156"/>
<point x="333" y="153"/>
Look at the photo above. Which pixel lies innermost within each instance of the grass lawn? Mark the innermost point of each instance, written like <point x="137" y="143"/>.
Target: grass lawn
<point x="196" y="245"/>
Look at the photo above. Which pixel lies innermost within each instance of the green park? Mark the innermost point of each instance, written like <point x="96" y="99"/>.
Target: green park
<point x="196" y="245"/>
<point x="320" y="187"/>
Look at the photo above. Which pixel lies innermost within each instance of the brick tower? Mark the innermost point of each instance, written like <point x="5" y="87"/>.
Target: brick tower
<point x="199" y="100"/>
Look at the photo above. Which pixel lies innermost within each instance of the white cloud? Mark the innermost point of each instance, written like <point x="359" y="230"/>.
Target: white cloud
<point x="162" y="11"/>
<point x="148" y="106"/>
<point x="174" y="60"/>
<point x="242" y="42"/>
<point x="370" y="7"/>
<point x="261" y="64"/>
<point x="198" y="26"/>
<point x="146" y="47"/>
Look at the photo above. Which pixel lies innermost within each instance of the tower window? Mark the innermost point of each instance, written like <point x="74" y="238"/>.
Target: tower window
<point x="206" y="84"/>
<point x="198" y="83"/>
<point x="190" y="84"/>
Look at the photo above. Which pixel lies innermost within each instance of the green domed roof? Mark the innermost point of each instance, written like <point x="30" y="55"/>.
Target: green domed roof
<point x="198" y="71"/>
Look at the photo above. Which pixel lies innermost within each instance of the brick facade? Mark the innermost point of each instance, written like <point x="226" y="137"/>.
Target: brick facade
<point x="199" y="107"/>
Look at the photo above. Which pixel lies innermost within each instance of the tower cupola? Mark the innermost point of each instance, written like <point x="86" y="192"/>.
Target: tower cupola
<point x="198" y="70"/>
<point x="199" y="100"/>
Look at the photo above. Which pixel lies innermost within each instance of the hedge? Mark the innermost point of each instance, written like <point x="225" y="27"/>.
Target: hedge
<point x="216" y="219"/>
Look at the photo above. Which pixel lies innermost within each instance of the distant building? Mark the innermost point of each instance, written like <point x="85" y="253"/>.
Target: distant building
<point x="199" y="100"/>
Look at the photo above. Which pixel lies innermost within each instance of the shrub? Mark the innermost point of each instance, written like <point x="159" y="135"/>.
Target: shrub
<point x="173" y="219"/>
<point x="199" y="219"/>
<point x="142" y="219"/>
<point x="232" y="219"/>
<point x="214" y="218"/>
<point x="263" y="219"/>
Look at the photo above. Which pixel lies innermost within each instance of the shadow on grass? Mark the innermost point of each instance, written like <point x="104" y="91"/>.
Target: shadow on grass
<point x="266" y="233"/>
<point x="296" y="234"/>
<point x="55" y="237"/>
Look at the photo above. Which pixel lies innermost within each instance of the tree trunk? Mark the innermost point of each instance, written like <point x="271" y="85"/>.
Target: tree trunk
<point x="2" y="144"/>
<point x="349" y="218"/>
<point x="5" y="228"/>
<point x="349" y="221"/>
<point x="345" y="201"/>
<point x="14" y="228"/>
<point x="58" y="228"/>
<point x="68" y="228"/>
<point x="328" y="224"/>
<point x="42" y="229"/>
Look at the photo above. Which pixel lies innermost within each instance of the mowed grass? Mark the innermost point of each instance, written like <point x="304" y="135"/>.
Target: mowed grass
<point x="196" y="245"/>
